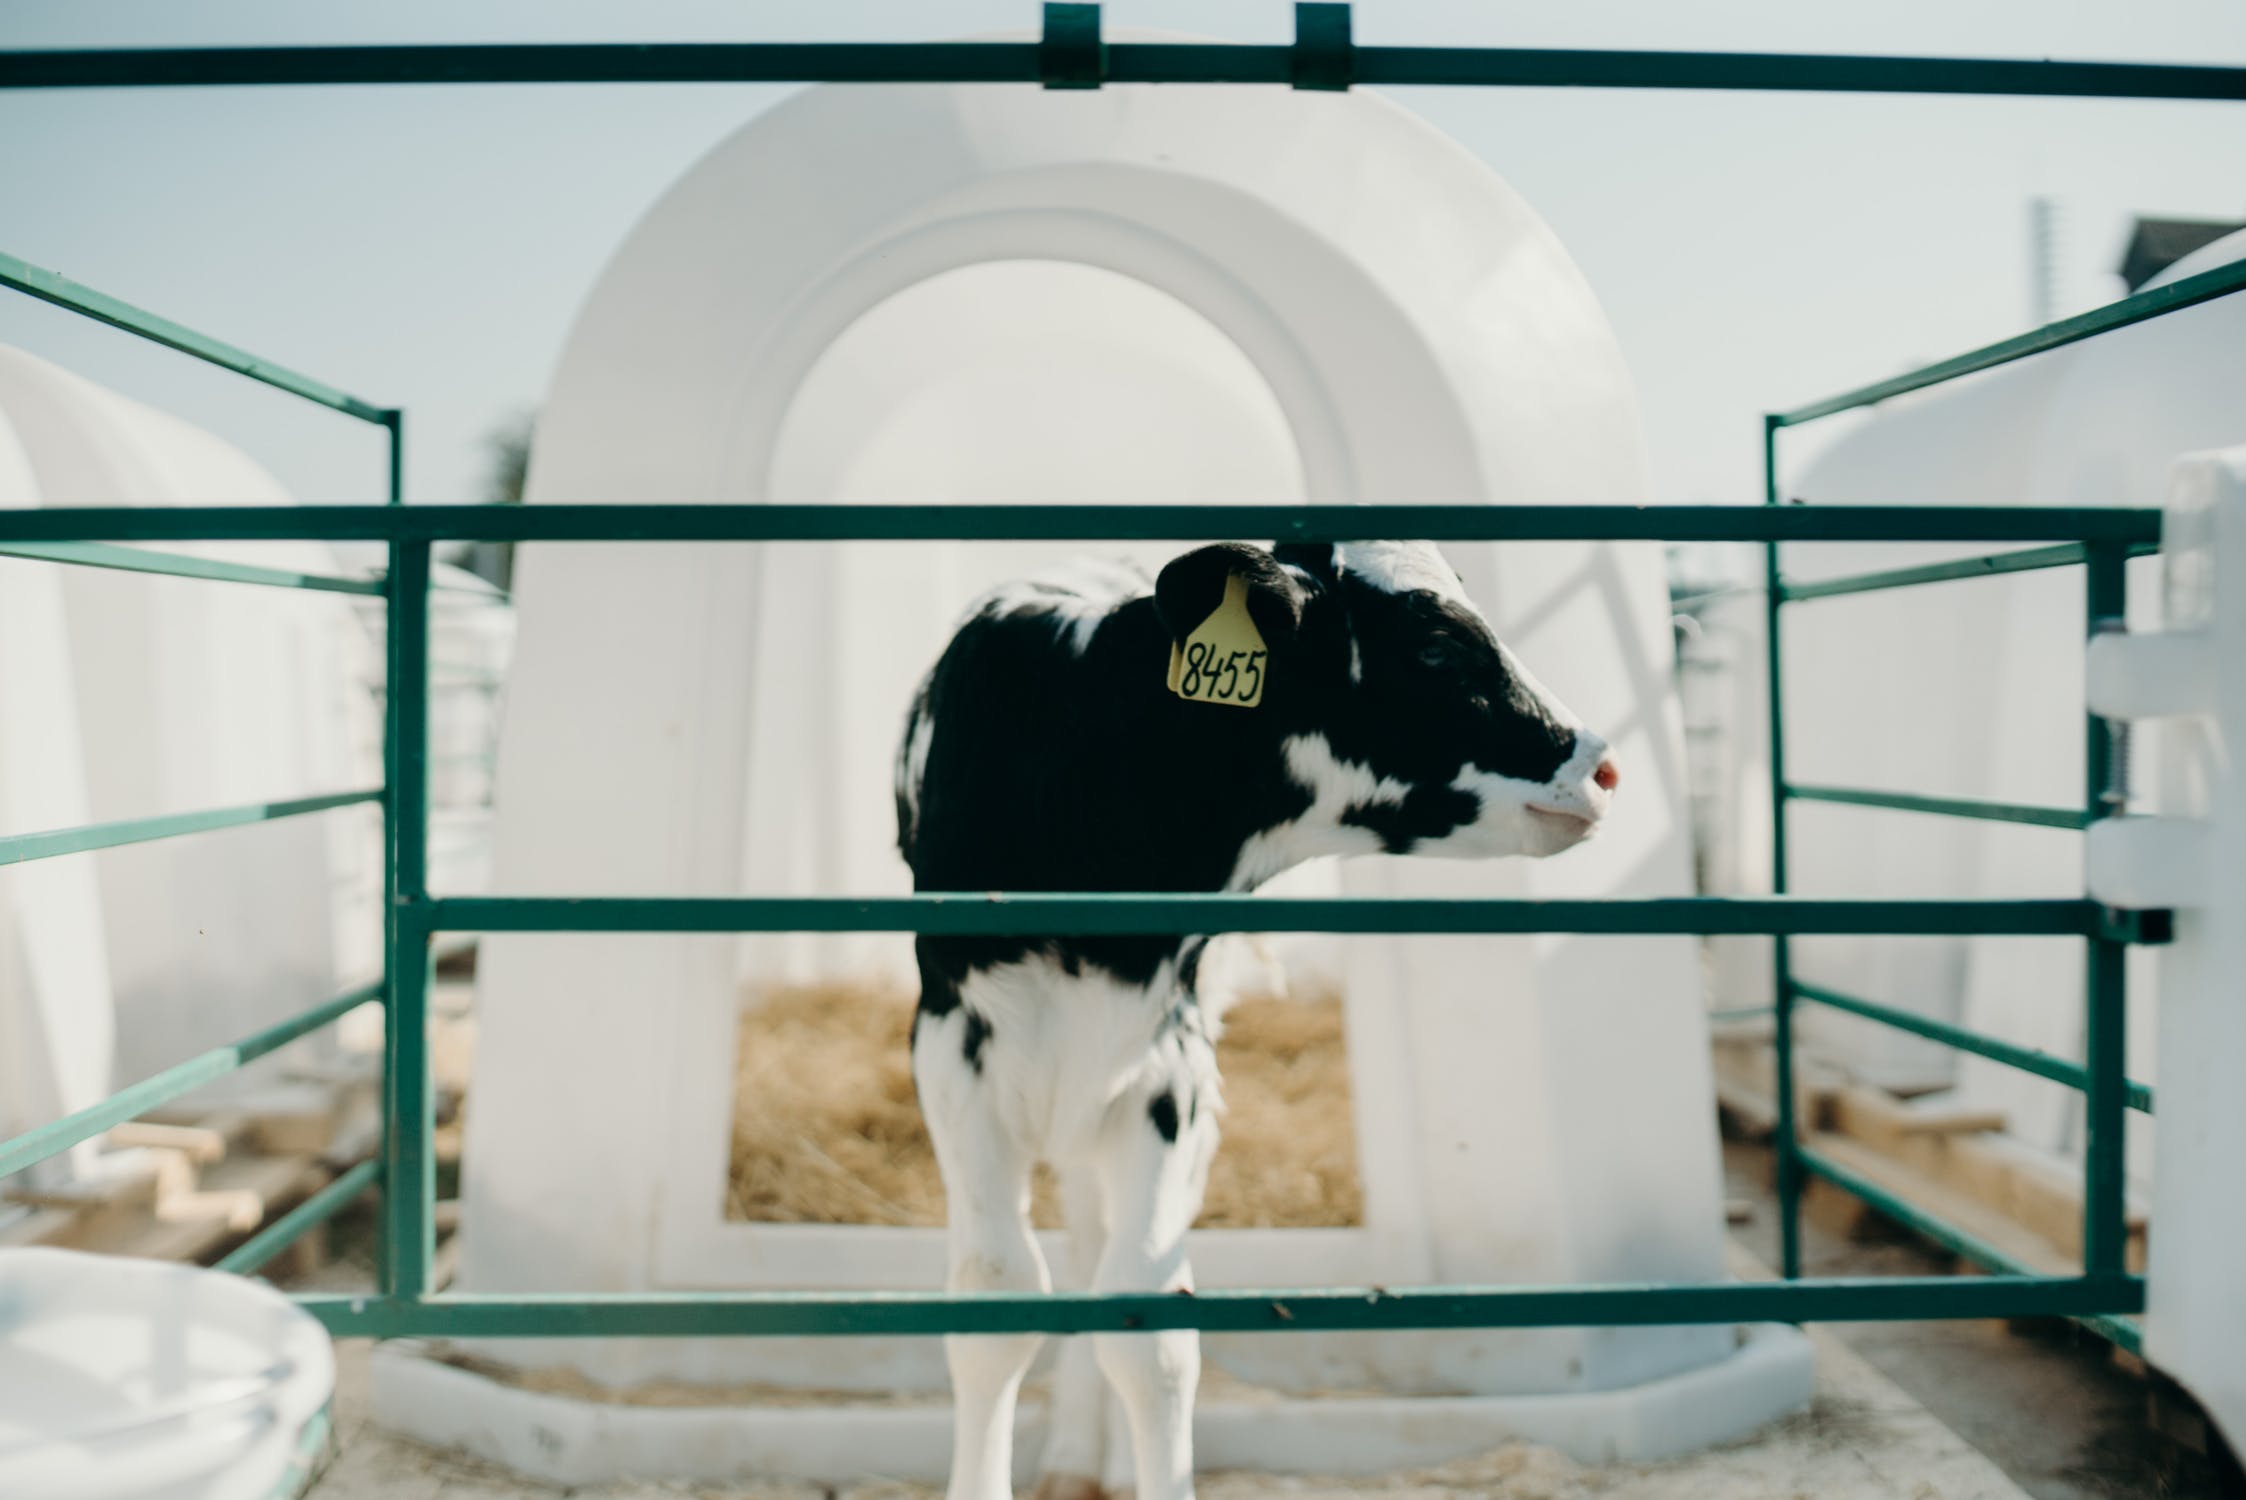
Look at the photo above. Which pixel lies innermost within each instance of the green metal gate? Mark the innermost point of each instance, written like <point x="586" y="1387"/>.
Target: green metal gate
<point x="2103" y="1293"/>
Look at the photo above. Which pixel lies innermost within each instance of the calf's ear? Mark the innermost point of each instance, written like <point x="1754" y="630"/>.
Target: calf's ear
<point x="1189" y="589"/>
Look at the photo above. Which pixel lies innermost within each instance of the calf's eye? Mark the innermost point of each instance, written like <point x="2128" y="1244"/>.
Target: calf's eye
<point x="1436" y="654"/>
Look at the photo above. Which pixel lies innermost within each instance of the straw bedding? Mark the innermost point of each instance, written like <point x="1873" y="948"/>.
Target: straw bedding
<point x="826" y="1129"/>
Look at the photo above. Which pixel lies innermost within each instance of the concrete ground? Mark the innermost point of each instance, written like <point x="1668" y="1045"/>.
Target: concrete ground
<point x="1919" y="1411"/>
<point x="2046" y="1402"/>
<point x="1862" y="1439"/>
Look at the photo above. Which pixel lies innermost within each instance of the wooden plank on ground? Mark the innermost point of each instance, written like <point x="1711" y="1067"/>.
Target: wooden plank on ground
<point x="199" y="1143"/>
<point x="234" y="1198"/>
<point x="1933" y="1195"/>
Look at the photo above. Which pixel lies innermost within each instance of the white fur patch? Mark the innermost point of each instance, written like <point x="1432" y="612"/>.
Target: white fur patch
<point x="1535" y="818"/>
<point x="1572" y="789"/>
<point x="1071" y="1058"/>
<point x="1335" y="786"/>
<point x="913" y="769"/>
<point x="1401" y="567"/>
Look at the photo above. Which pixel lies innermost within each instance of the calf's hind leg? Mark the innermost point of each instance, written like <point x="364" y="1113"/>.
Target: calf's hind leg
<point x="1153" y="1164"/>
<point x="1077" y="1435"/>
<point x="986" y="1191"/>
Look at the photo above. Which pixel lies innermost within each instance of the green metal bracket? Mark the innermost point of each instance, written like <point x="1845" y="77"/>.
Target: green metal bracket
<point x="1325" y="56"/>
<point x="1072" y="56"/>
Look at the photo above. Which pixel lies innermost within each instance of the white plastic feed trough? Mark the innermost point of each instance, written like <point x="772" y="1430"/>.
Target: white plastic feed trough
<point x="135" y="1380"/>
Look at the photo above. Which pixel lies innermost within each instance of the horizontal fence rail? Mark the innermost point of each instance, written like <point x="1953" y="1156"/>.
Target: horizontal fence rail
<point x="2036" y="559"/>
<point x="20" y="848"/>
<point x="1291" y="1310"/>
<point x="2153" y="302"/>
<point x="173" y="565"/>
<point x="1093" y="63"/>
<point x="2122" y="1331"/>
<point x="208" y="1067"/>
<point x="1080" y="523"/>
<point x="54" y="287"/>
<point x="1947" y="807"/>
<point x="1140" y="914"/>
<point x="292" y="1226"/>
<point x="2026" y="1059"/>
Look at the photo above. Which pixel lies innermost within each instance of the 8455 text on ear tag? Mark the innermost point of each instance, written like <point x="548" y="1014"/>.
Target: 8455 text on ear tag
<point x="1224" y="660"/>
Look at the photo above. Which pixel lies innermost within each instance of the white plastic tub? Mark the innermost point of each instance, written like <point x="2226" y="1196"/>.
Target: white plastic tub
<point x="138" y="1380"/>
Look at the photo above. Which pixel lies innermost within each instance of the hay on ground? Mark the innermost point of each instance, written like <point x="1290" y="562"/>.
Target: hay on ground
<point x="826" y="1129"/>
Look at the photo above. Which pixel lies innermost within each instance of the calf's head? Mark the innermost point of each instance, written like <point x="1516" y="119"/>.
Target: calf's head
<point x="1395" y="704"/>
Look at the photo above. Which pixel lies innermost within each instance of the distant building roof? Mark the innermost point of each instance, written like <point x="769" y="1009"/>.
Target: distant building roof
<point x="2157" y="244"/>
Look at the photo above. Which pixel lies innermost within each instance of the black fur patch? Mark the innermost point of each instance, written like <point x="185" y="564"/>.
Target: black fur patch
<point x="1428" y="812"/>
<point x="1164" y="1113"/>
<point x="939" y="997"/>
<point x="1049" y="770"/>
<point x="976" y="1037"/>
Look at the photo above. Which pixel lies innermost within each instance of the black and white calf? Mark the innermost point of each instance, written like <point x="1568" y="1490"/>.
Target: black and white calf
<point x="1050" y="751"/>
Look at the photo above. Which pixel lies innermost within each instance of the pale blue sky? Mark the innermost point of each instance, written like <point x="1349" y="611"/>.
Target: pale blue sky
<point x="428" y="247"/>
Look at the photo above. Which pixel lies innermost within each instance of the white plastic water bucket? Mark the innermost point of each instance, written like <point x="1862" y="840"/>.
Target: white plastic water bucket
<point x="140" y="1380"/>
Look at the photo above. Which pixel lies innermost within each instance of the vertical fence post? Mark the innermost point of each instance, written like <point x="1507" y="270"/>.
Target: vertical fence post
<point x="409" y="1183"/>
<point x="394" y="421"/>
<point x="2105" y="1228"/>
<point x="1782" y="974"/>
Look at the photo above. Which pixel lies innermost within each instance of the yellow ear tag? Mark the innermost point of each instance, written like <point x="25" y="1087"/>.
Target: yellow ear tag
<point x="1224" y="660"/>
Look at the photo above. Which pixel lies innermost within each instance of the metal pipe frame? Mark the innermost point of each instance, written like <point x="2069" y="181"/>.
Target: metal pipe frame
<point x="1083" y="523"/>
<point x="2108" y="1091"/>
<point x="1035" y="64"/>
<point x="1136" y="913"/>
<point x="1073" y="54"/>
<point x="1287" y="1310"/>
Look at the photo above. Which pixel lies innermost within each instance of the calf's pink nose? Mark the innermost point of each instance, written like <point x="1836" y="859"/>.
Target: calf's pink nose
<point x="1609" y="775"/>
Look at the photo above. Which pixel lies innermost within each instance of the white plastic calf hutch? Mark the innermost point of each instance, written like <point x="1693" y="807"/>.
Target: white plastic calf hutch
<point x="2101" y="422"/>
<point x="124" y="697"/>
<point x="936" y="293"/>
<point x="2185" y="677"/>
